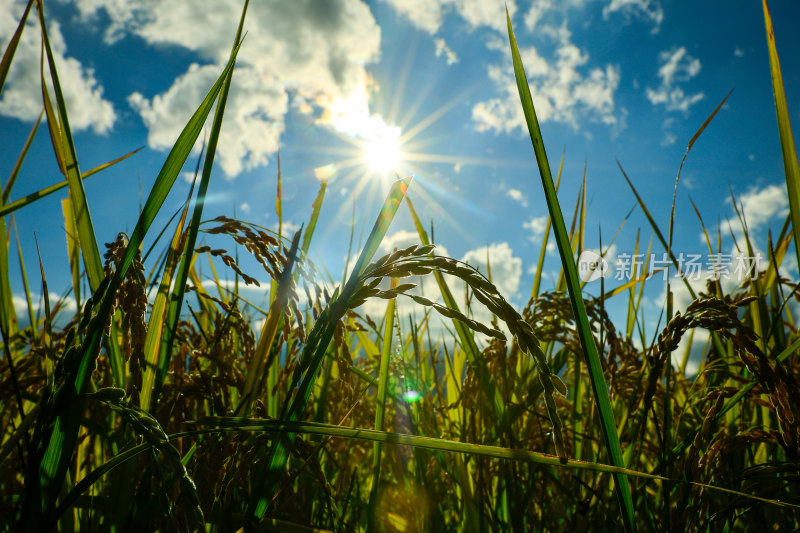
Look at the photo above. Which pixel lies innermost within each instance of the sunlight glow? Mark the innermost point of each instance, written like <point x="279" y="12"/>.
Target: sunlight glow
<point x="382" y="154"/>
<point x="381" y="135"/>
<point x="378" y="142"/>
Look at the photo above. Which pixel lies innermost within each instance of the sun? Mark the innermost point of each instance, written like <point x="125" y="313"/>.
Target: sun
<point x="382" y="154"/>
<point x="376" y="147"/>
<point x="378" y="144"/>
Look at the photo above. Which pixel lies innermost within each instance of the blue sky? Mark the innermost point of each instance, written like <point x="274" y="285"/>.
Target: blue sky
<point x="627" y="80"/>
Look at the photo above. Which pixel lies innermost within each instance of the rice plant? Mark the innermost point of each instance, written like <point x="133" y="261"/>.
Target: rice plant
<point x="168" y="409"/>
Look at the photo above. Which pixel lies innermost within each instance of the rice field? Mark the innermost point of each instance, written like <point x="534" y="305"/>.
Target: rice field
<point x="164" y="404"/>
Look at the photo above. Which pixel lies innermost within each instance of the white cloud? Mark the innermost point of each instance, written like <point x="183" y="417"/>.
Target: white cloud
<point x="399" y="240"/>
<point x="562" y="89"/>
<point x="310" y="52"/>
<point x="677" y="67"/>
<point x="536" y="13"/>
<point x="443" y="50"/>
<point x="256" y="295"/>
<point x="788" y="269"/>
<point x="22" y="94"/>
<point x="541" y="9"/>
<point x="424" y="14"/>
<point x="253" y="116"/>
<point x="647" y="9"/>
<point x="517" y="196"/>
<point x="506" y="269"/>
<point x="350" y="114"/>
<point x="669" y="139"/>
<point x="403" y="239"/>
<point x="489" y="13"/>
<point x="187" y="176"/>
<point x="428" y="15"/>
<point x="288" y="229"/>
<point x="62" y="307"/>
<point x="536" y="225"/>
<point x="759" y="206"/>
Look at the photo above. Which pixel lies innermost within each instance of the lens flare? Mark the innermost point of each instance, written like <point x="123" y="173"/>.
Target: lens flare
<point x="412" y="396"/>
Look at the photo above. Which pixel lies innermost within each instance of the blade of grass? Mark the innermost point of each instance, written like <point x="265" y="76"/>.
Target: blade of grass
<point x="788" y="150"/>
<point x="537" y="280"/>
<point x="59" y="423"/>
<point x="12" y="178"/>
<point x="8" y="315"/>
<point x="313" y="353"/>
<point x="155" y="325"/>
<point x="657" y="230"/>
<point x="73" y="249"/>
<point x="259" y="371"/>
<point x="88" y="241"/>
<point x="431" y="443"/>
<point x="47" y="328"/>
<point x="264" y="357"/>
<point x="380" y="406"/>
<point x="221" y="88"/>
<point x="316" y="207"/>
<point x="64" y="147"/>
<point x="599" y="388"/>
<point x="25" y="287"/>
<point x="26" y="200"/>
<point x="11" y="49"/>
<point x="264" y="366"/>
<point x="20" y="433"/>
<point x="92" y="477"/>
<point x="279" y="199"/>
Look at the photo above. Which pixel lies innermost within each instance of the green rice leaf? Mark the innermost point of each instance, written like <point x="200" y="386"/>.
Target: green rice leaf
<point x="12" y="178"/>
<point x="58" y="425"/>
<point x="173" y="165"/>
<point x="380" y="406"/>
<point x="316" y="207"/>
<point x="313" y="353"/>
<point x="788" y="150"/>
<point x="155" y="325"/>
<point x="28" y="199"/>
<point x="597" y="380"/>
<point x="65" y="148"/>
<point x="170" y="172"/>
<point x="8" y="55"/>
<point x="466" y="448"/>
